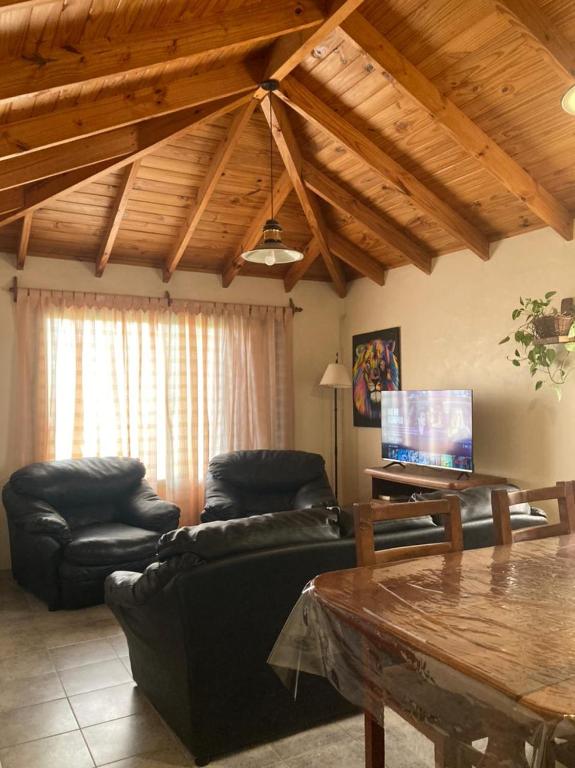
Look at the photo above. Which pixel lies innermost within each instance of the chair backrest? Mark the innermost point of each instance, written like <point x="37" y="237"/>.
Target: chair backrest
<point x="501" y="501"/>
<point x="365" y="515"/>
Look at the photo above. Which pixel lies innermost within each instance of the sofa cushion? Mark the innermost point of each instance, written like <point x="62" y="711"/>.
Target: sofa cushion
<point x="346" y="524"/>
<point x="110" y="543"/>
<point x="277" y="470"/>
<point x="475" y="502"/>
<point x="222" y="538"/>
<point x="73" y="482"/>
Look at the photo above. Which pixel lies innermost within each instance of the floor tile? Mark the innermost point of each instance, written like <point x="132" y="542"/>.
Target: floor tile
<point x="129" y="736"/>
<point x="310" y="740"/>
<point x="79" y="632"/>
<point x="108" y="704"/>
<point x="26" y="665"/>
<point x="32" y="690"/>
<point x="36" y="722"/>
<point x="67" y="750"/>
<point x="163" y="759"/>
<point x="80" y="654"/>
<point x="120" y="645"/>
<point x="19" y="639"/>
<point x="346" y="754"/>
<point x="92" y="677"/>
<point x="126" y="662"/>
<point x="258" y="757"/>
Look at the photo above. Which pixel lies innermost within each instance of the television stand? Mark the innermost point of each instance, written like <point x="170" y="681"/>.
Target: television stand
<point x="404" y="480"/>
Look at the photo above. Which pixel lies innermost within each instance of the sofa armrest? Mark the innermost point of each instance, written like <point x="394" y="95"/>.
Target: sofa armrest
<point x="145" y="509"/>
<point x="222" y="501"/>
<point x="316" y="493"/>
<point x="126" y="588"/>
<point x="35" y="515"/>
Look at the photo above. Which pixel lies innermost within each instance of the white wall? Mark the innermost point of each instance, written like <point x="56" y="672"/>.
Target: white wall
<point x="315" y="335"/>
<point x="451" y="323"/>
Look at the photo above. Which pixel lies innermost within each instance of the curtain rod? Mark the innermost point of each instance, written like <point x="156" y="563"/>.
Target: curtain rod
<point x="14" y="291"/>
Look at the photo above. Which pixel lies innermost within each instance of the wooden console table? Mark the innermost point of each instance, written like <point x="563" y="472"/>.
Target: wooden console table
<point x="403" y="481"/>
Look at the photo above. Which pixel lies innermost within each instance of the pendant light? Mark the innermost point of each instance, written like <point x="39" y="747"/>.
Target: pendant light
<point x="271" y="250"/>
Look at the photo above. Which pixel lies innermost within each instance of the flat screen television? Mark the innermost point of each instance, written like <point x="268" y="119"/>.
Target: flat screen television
<point x="433" y="428"/>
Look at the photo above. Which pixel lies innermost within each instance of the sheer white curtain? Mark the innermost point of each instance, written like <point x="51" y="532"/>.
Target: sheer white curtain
<point x="110" y="375"/>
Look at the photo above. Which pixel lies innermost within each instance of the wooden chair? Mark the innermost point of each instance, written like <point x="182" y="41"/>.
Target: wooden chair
<point x="365" y="516"/>
<point x="502" y="501"/>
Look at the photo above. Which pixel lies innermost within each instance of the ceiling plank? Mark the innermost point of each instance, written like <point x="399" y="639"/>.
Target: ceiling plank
<point x="356" y="258"/>
<point x="330" y="191"/>
<point x="208" y="185"/>
<point x="465" y="132"/>
<point x="289" y="151"/>
<point x="34" y="166"/>
<point x="295" y="273"/>
<point x="547" y="38"/>
<point x="312" y="108"/>
<point x="123" y="109"/>
<point x="16" y="5"/>
<point x="151" y="135"/>
<point x="115" y="222"/>
<point x="187" y="38"/>
<point x="234" y="264"/>
<point x="24" y="240"/>
<point x="288" y="52"/>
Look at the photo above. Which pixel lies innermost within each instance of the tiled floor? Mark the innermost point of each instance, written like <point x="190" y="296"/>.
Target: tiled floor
<point x="67" y="700"/>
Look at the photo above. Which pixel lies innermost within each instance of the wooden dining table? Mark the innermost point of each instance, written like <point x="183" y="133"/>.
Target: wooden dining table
<point x="489" y="632"/>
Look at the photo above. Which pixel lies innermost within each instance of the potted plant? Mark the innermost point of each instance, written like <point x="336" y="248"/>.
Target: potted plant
<point x="540" y="322"/>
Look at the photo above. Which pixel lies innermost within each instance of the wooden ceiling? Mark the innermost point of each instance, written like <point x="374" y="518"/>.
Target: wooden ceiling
<point x="131" y="130"/>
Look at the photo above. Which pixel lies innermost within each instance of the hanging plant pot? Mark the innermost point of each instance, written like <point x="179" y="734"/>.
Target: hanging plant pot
<point x="549" y="326"/>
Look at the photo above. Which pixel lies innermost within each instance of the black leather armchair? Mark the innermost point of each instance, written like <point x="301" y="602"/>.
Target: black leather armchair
<point x="72" y="523"/>
<point x="246" y="483"/>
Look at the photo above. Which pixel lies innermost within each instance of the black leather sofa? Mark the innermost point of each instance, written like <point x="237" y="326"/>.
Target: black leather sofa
<point x="201" y="622"/>
<point x="71" y="523"/>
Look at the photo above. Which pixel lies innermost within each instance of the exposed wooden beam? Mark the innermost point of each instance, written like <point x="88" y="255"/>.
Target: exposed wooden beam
<point x="356" y="258"/>
<point x="465" y="132"/>
<point x="289" y="151"/>
<point x="330" y="191"/>
<point x="120" y="203"/>
<point x="17" y="5"/>
<point x="151" y="135"/>
<point x="123" y="109"/>
<point x="233" y="265"/>
<point x="208" y="185"/>
<point x="295" y="273"/>
<point x="24" y="240"/>
<point x="540" y="31"/>
<point x="188" y="38"/>
<point x="288" y="52"/>
<point x="34" y="166"/>
<point x="312" y="108"/>
<point x="11" y="200"/>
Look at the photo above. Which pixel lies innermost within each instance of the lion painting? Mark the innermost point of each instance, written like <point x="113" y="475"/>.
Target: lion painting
<point x="375" y="369"/>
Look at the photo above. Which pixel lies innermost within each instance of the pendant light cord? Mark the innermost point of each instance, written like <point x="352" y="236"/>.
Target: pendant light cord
<point x="271" y="158"/>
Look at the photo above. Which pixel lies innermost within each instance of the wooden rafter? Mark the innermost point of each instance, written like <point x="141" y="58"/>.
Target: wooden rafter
<point x="356" y="258"/>
<point x="291" y="156"/>
<point x="465" y="132"/>
<point x="16" y="5"/>
<point x="34" y="166"/>
<point x="311" y="252"/>
<point x="11" y="200"/>
<point x="130" y="175"/>
<point x="113" y="112"/>
<point x="24" y="240"/>
<point x="540" y="31"/>
<point x="208" y="185"/>
<point x="288" y="52"/>
<point x="102" y="57"/>
<point x="151" y="135"/>
<point x="312" y="108"/>
<point x="233" y="265"/>
<point x="330" y="191"/>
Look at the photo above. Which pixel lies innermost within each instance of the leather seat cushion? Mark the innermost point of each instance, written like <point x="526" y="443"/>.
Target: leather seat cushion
<point x="111" y="543"/>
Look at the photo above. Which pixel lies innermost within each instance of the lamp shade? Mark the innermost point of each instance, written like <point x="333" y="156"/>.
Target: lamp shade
<point x="336" y="376"/>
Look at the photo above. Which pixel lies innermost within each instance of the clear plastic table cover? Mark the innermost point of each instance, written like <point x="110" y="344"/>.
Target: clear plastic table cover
<point x="478" y="646"/>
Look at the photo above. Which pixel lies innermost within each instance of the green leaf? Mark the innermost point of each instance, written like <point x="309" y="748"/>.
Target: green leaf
<point x="572" y="330"/>
<point x="570" y="347"/>
<point x="558" y="392"/>
<point x="517" y="353"/>
<point x="505" y="340"/>
<point x="515" y="314"/>
<point x="551" y="355"/>
<point x="516" y="363"/>
<point x="538" y="385"/>
<point x="550" y="294"/>
<point x="522" y="301"/>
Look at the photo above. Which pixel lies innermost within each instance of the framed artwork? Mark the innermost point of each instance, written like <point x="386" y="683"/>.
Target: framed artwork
<point x="376" y="369"/>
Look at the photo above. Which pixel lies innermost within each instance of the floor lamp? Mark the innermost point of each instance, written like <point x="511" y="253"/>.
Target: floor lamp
<point x="336" y="377"/>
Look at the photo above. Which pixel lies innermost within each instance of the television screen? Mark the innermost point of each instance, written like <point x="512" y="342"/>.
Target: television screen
<point x="432" y="427"/>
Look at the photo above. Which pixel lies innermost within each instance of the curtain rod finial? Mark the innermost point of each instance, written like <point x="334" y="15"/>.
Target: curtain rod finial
<point x="14" y="289"/>
<point x="293" y="307"/>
